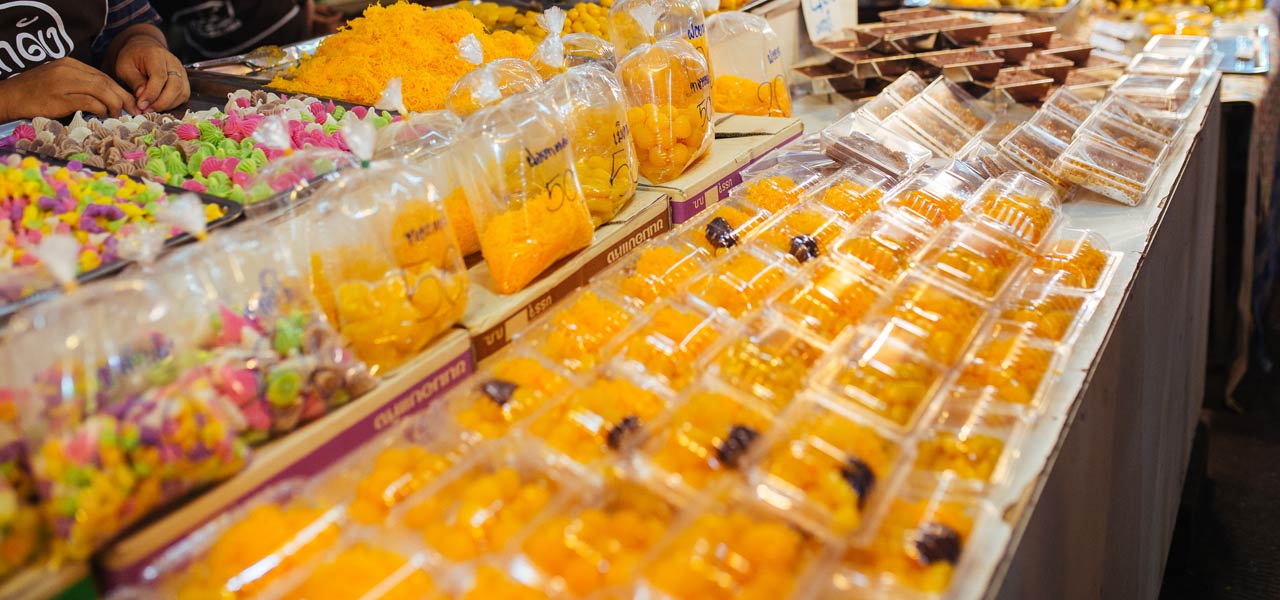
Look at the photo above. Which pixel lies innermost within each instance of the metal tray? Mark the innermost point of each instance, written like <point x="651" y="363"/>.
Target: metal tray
<point x="1055" y="16"/>
<point x="260" y="64"/>
<point x="1254" y="41"/>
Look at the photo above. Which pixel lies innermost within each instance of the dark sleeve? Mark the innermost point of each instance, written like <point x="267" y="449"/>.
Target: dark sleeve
<point x="122" y="14"/>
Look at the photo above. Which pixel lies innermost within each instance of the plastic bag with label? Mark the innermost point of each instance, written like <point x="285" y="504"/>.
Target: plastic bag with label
<point x="681" y="19"/>
<point x="490" y="82"/>
<point x="747" y="59"/>
<point x="517" y="167"/>
<point x="668" y="91"/>
<point x="385" y="266"/>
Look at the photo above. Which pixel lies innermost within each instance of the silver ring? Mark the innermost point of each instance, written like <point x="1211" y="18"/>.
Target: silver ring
<point x="172" y="72"/>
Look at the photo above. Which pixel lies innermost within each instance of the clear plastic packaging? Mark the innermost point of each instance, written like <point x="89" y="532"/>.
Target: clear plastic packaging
<point x="667" y="85"/>
<point x="1179" y="45"/>
<point x="986" y="159"/>
<point x="958" y="105"/>
<point x="1160" y="64"/>
<point x="768" y="360"/>
<point x="1052" y="313"/>
<point x="670" y="344"/>
<point x="368" y="565"/>
<point x="723" y="226"/>
<point x="548" y="57"/>
<point x="747" y="60"/>
<point x="1052" y="123"/>
<point x="853" y="191"/>
<point x="490" y="82"/>
<point x="1077" y="260"/>
<point x="941" y="320"/>
<point x="856" y="139"/>
<point x="936" y="195"/>
<point x="906" y="87"/>
<point x="880" y="373"/>
<point x="778" y="187"/>
<point x="1166" y="128"/>
<point x="1107" y="170"/>
<point x="744" y="280"/>
<point x="828" y="465"/>
<point x="265" y="346"/>
<point x="510" y="388"/>
<point x="1014" y="362"/>
<point x="574" y="334"/>
<point x="586" y="48"/>
<point x="385" y="265"/>
<point x="606" y="417"/>
<point x="1036" y="151"/>
<point x="1120" y="133"/>
<point x="710" y="436"/>
<point x="804" y="232"/>
<point x="656" y="271"/>
<point x="1163" y="95"/>
<point x="882" y="244"/>
<point x="880" y="107"/>
<point x="927" y="126"/>
<point x="1020" y="205"/>
<point x="517" y="167"/>
<point x="591" y="103"/>
<point x="1071" y="106"/>
<point x="975" y="444"/>
<point x="973" y="261"/>
<point x="492" y="581"/>
<point x="830" y="300"/>
<point x="671" y="19"/>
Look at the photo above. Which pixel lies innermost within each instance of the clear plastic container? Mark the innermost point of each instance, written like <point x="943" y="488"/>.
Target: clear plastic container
<point x="880" y="373"/>
<point x="743" y="280"/>
<point x="882" y="244"/>
<point x="828" y="465"/>
<point x="1020" y="205"/>
<point x="1163" y="95"/>
<point x="367" y="565"/>
<point x="986" y="159"/>
<point x="1076" y="260"/>
<point x="723" y="226"/>
<point x="510" y="388"/>
<point x="1107" y="170"/>
<point x="1070" y="105"/>
<point x="804" y="232"/>
<point x="833" y="298"/>
<point x="1120" y="133"/>
<point x="1159" y="64"/>
<point x="927" y="126"/>
<point x="973" y="261"/>
<point x="739" y="548"/>
<point x="1163" y="127"/>
<point x="767" y="360"/>
<point x="1035" y="151"/>
<point x="880" y="107"/>
<point x="710" y="436"/>
<point x="604" y="418"/>
<point x="1052" y="313"/>
<point x="489" y="581"/>
<point x="936" y="195"/>
<point x="975" y="444"/>
<point x="778" y="187"/>
<point x="750" y="74"/>
<point x="906" y="87"/>
<point x="671" y="342"/>
<point x="943" y="320"/>
<point x="1179" y="45"/>
<point x="1014" y="362"/>
<point x="1052" y="123"/>
<point x="593" y="545"/>
<point x="958" y="105"/>
<point x="855" y="139"/>
<point x="656" y="271"/>
<point x="574" y="334"/>
<point x="853" y="191"/>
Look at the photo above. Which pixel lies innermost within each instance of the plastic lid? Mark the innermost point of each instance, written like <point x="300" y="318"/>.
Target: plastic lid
<point x="1107" y="170"/>
<point x="961" y="107"/>
<point x="1019" y="204"/>
<point x="1120" y="133"/>
<point x="858" y="139"/>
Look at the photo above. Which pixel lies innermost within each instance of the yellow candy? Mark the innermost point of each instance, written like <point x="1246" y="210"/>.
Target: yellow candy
<point x="605" y="416"/>
<point x="480" y="511"/>
<point x="889" y="380"/>
<point x="934" y="210"/>
<point x="811" y="222"/>
<point x="834" y="298"/>
<point x="741" y="220"/>
<point x="742" y="96"/>
<point x="491" y="417"/>
<point x="1080" y="264"/>
<point x="771" y="364"/>
<point x="1024" y="216"/>
<point x="659" y="271"/>
<point x="773" y="193"/>
<point x="397" y="473"/>
<point x="741" y="283"/>
<point x="670" y="344"/>
<point x="363" y="569"/>
<point x="852" y="200"/>
<point x="706" y="437"/>
<point x="666" y="138"/>
<point x="1049" y="317"/>
<point x="521" y="242"/>
<point x="1012" y="362"/>
<point x="492" y="584"/>
<point x="579" y="331"/>
<point x="946" y="320"/>
<point x="968" y="455"/>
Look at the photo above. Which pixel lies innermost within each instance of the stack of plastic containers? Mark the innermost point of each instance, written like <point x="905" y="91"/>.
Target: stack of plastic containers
<point x="817" y="387"/>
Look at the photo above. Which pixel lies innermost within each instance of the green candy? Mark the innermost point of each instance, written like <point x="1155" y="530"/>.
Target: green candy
<point x="258" y="157"/>
<point x="163" y="373"/>
<point x="209" y="132"/>
<point x="114" y="226"/>
<point x="229" y="147"/>
<point x="131" y="439"/>
<point x="77" y="476"/>
<point x="174" y="165"/>
<point x="288" y="335"/>
<point x="80" y="156"/>
<point x="331" y="126"/>
<point x="67" y="506"/>
<point x="283" y="387"/>
<point x="236" y="195"/>
<point x="155" y="165"/>
<point x="338" y="111"/>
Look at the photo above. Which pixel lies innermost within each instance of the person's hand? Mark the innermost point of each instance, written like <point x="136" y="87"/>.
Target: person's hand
<point x="60" y="88"/>
<point x="156" y="76"/>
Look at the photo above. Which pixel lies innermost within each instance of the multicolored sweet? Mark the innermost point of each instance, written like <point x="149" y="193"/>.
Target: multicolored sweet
<point x="742" y="96"/>
<point x="945" y="320"/>
<point x="508" y="391"/>
<point x="834" y="297"/>
<point x="768" y="361"/>
<point x="1011" y="360"/>
<point x="743" y="280"/>
<point x="887" y="377"/>
<point x="670" y="344"/>
<point x="480" y="510"/>
<point x="597" y="545"/>
<point x="606" y="416"/>
<point x="361" y="570"/>
<point x="268" y="542"/>
<point x="707" y="436"/>
<point x="735" y="553"/>
<point x="918" y="545"/>
<point x="575" y="336"/>
<point x="831" y="464"/>
<point x="22" y="532"/>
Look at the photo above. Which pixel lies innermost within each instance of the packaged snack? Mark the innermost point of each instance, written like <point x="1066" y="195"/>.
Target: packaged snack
<point x="881" y="374"/>
<point x="882" y="244"/>
<point x="607" y="416"/>
<point x="919" y="121"/>
<point x="986" y="160"/>
<point x="768" y="360"/>
<point x="936" y="195"/>
<point x="384" y="262"/>
<point x="589" y="48"/>
<point x="675" y="19"/>
<point x="856" y="139"/>
<point x="854" y="191"/>
<point x="1049" y="312"/>
<point x="1107" y="170"/>
<point x="829" y="462"/>
<point x="265" y="347"/>
<point x="1011" y="359"/>
<point x="880" y="106"/>
<point x="804" y="232"/>
<point x="959" y="106"/>
<point x="941" y="321"/>
<point x="1166" y="128"/>
<point x="488" y="83"/>
<point x="1055" y="125"/>
<point x="512" y="386"/>
<point x="981" y="264"/>
<point x="517" y="167"/>
<point x="750" y="73"/>
<point x="590" y="101"/>
<point x="656" y="271"/>
<point x="116" y="423"/>
<point x="973" y="443"/>
<point x="778" y="187"/>
<point x="668" y="88"/>
<point x="491" y="582"/>
<point x="670" y="345"/>
<point x="1036" y="152"/>
<point x="1077" y="260"/>
<point x="365" y="567"/>
<point x="834" y="297"/>
<point x="1163" y="95"/>
<point x="1107" y="128"/>
<point x="743" y="280"/>
<point x="724" y="226"/>
<point x="573" y="335"/>
<point x="1070" y="105"/>
<point x="548" y="57"/>
<point x="1019" y="205"/>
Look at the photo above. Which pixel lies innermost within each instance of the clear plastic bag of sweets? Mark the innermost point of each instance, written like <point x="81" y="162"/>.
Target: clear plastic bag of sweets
<point x="750" y="73"/>
<point x="490" y="82"/>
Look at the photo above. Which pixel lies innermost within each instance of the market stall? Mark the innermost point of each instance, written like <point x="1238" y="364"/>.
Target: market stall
<point x="510" y="311"/>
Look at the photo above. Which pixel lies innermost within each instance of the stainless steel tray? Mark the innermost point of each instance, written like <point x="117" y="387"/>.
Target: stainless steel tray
<point x="260" y="64"/>
<point x="1245" y="48"/>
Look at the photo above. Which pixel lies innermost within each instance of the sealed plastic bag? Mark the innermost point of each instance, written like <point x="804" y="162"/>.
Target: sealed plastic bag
<point x="590" y="101"/>
<point x="517" y="167"/>
<point x="668" y="91"/>
<point x="288" y="181"/>
<point x="548" y="57"/>
<point x="681" y="19"/>
<point x="490" y="82"/>
<point x="384" y="263"/>
<point x="119" y="417"/>
<point x="588" y="48"/>
<point x="267" y="348"/>
<point x="747" y="60"/>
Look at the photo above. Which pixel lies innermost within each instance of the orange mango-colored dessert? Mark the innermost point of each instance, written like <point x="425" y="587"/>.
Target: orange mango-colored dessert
<point x="659" y="271"/>
<point x="851" y="199"/>
<point x="668" y="347"/>
<point x="1078" y="264"/>
<point x="968" y="455"/>
<point x="1011" y="362"/>
<point x="945" y="319"/>
<point x="287" y="535"/>
<point x="833" y="463"/>
<point x="461" y="221"/>
<point x="535" y="231"/>
<point x="667" y="138"/>
<point x="397" y="473"/>
<point x="514" y="389"/>
<point x="974" y="263"/>
<point x="480" y="511"/>
<point x="600" y="418"/>
<point x="605" y="160"/>
<point x="934" y="210"/>
<point x="890" y="380"/>
<point x="918" y="544"/>
<point x="773" y="193"/>
<point x="741" y="283"/>
<point x="743" y="96"/>
<point x="732" y="554"/>
<point x="579" y="331"/>
<point x="492" y="584"/>
<point x="1023" y="216"/>
<point x="882" y="246"/>
<point x="771" y="365"/>
<point x="365" y="571"/>
<point x="707" y="436"/>
<point x="804" y="233"/>
<point x="599" y="545"/>
<point x="833" y="298"/>
<point x="727" y="225"/>
<point x="1049" y="316"/>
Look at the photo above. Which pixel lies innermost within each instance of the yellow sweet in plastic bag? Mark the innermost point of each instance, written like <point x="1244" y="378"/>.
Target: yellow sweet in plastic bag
<point x="742" y="96"/>
<point x="521" y="242"/>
